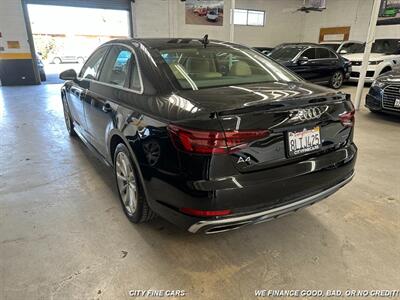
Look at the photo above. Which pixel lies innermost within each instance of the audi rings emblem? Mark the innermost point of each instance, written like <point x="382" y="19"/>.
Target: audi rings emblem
<point x="308" y="114"/>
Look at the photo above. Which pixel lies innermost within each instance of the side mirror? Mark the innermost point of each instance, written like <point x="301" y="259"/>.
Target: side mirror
<point x="343" y="52"/>
<point x="302" y="60"/>
<point x="68" y="75"/>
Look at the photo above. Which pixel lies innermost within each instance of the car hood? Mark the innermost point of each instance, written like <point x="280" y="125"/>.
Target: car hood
<point x="359" y="56"/>
<point x="390" y="77"/>
<point x="248" y="96"/>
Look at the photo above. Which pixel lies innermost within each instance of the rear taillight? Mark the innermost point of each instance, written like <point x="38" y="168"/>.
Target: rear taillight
<point x="347" y="119"/>
<point x="212" y="142"/>
<point x="205" y="213"/>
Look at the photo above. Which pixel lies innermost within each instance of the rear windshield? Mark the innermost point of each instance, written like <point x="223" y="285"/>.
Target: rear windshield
<point x="221" y="65"/>
<point x="285" y="53"/>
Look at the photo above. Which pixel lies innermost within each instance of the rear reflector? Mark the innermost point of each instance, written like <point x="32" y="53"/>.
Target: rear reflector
<point x="212" y="142"/>
<point x="348" y="119"/>
<point x="205" y="213"/>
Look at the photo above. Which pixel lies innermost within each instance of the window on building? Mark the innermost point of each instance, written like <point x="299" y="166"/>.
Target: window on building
<point x="249" y="17"/>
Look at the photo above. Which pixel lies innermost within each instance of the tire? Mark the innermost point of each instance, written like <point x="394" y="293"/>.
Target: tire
<point x="130" y="187"/>
<point x="57" y="60"/>
<point x="336" y="80"/>
<point x="68" y="119"/>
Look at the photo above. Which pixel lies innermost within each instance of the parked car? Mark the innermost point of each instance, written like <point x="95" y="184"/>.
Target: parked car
<point x="390" y="12"/>
<point x="340" y="47"/>
<point x="384" y="94"/>
<point x="313" y="62"/>
<point x="211" y="136"/>
<point x="385" y="57"/>
<point x="40" y="65"/>
<point x="59" y="59"/>
<point x="201" y="11"/>
<point x="213" y="15"/>
<point x="263" y="50"/>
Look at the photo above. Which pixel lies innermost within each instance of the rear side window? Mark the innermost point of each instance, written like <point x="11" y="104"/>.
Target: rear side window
<point x="322" y="53"/>
<point x="309" y="53"/>
<point x="117" y="66"/>
<point x="91" y="68"/>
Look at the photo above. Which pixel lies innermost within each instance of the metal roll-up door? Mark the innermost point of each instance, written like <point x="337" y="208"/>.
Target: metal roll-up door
<point x="104" y="4"/>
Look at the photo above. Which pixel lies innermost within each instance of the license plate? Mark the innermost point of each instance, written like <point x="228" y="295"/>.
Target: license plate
<point x="397" y="103"/>
<point x="301" y="142"/>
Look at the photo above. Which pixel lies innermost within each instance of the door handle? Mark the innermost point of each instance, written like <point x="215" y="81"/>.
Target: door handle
<point x="107" y="107"/>
<point x="82" y="95"/>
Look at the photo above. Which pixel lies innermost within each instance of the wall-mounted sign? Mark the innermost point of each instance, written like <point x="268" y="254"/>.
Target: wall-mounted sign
<point x="204" y="12"/>
<point x="389" y="12"/>
<point x="13" y="45"/>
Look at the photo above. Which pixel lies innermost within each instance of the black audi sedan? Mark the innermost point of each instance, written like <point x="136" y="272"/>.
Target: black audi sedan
<point x="384" y="94"/>
<point x="314" y="63"/>
<point x="211" y="136"/>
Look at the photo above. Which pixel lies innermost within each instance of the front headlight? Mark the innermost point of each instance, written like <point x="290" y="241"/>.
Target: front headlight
<point x="378" y="84"/>
<point x="375" y="62"/>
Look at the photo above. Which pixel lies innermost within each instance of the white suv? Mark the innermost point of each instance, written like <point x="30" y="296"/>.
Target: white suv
<point x="339" y="46"/>
<point x="385" y="57"/>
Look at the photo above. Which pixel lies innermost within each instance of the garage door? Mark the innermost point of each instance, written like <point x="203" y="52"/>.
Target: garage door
<point x="104" y="4"/>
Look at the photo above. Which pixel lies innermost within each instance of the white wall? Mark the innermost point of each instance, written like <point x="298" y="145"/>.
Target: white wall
<point x="12" y="26"/>
<point x="354" y="13"/>
<point x="338" y="13"/>
<point x="166" y="18"/>
<point x="282" y="25"/>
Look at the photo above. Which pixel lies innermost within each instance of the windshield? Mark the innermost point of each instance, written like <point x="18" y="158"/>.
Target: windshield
<point x="285" y="53"/>
<point x="220" y="65"/>
<point x="379" y="46"/>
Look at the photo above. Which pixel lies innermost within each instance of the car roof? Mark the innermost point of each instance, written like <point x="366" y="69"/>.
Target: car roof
<point x="340" y="42"/>
<point x="162" y="43"/>
<point x="297" y="44"/>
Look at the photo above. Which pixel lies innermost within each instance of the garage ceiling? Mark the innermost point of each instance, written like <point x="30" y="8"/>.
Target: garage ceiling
<point x="104" y="4"/>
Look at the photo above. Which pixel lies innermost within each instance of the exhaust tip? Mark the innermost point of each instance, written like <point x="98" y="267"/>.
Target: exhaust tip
<point x="224" y="228"/>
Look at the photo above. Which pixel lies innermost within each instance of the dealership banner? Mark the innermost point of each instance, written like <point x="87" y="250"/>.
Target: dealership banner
<point x="389" y="12"/>
<point x="204" y="12"/>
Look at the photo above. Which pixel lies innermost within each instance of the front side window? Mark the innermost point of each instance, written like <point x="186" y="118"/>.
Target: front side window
<point x="220" y="65"/>
<point x="91" y="67"/>
<point x="116" y="67"/>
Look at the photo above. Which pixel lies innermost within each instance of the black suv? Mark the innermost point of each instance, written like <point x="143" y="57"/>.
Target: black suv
<point x="210" y="135"/>
<point x="313" y="62"/>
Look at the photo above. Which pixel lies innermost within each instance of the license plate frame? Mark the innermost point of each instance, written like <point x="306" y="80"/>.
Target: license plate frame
<point x="306" y="141"/>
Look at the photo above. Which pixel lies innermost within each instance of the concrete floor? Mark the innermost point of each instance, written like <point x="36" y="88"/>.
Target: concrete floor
<point x="63" y="234"/>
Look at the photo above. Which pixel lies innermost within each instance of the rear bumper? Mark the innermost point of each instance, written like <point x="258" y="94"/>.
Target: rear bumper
<point x="257" y="196"/>
<point x="217" y="226"/>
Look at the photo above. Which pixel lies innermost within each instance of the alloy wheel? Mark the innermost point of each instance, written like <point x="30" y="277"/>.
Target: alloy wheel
<point x="127" y="183"/>
<point x="337" y="80"/>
